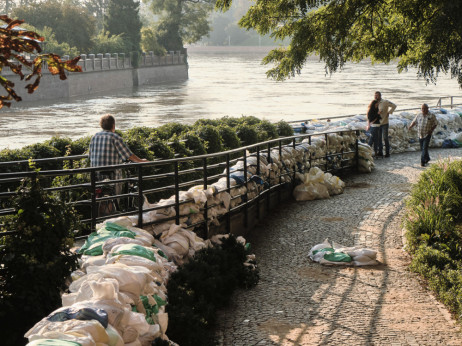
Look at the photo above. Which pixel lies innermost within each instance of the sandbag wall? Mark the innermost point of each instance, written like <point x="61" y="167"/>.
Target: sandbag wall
<point x="330" y="152"/>
<point x="447" y="134"/>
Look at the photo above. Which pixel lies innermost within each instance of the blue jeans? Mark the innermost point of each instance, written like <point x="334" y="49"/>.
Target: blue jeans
<point x="424" y="143"/>
<point x="384" y="135"/>
<point x="374" y="139"/>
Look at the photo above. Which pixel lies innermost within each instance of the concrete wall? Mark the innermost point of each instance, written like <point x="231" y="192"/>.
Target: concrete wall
<point x="161" y="74"/>
<point x="90" y="82"/>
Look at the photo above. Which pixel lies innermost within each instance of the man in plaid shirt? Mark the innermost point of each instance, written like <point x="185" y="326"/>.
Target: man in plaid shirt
<point x="107" y="148"/>
<point x="426" y="123"/>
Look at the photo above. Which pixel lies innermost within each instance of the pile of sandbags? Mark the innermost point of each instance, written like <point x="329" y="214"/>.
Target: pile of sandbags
<point x="317" y="185"/>
<point x="446" y="134"/>
<point x="336" y="254"/>
<point x="118" y="295"/>
<point x="365" y="158"/>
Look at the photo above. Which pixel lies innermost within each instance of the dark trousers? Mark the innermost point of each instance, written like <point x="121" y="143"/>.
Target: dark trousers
<point x="384" y="135"/>
<point x="375" y="139"/>
<point x="424" y="143"/>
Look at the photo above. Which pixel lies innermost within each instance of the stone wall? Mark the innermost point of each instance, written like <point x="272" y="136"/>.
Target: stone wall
<point x="104" y="73"/>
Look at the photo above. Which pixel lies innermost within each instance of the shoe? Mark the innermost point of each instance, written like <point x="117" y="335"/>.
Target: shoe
<point x="387" y="155"/>
<point x="427" y="161"/>
<point x="422" y="164"/>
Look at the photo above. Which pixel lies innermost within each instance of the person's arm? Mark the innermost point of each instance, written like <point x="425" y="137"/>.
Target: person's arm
<point x="413" y="123"/>
<point x="392" y="107"/>
<point x="435" y="124"/>
<point x="135" y="158"/>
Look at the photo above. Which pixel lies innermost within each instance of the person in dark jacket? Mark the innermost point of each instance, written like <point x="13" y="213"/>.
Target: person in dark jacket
<point x="373" y="124"/>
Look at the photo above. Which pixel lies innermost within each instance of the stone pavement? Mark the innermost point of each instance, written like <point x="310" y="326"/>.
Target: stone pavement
<point x="298" y="302"/>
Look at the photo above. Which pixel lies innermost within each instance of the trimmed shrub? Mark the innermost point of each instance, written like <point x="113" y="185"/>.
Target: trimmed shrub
<point x="247" y="134"/>
<point x="197" y="289"/>
<point x="36" y="262"/>
<point x="60" y="143"/>
<point x="210" y="137"/>
<point x="284" y="129"/>
<point x="266" y="131"/>
<point x="169" y="130"/>
<point x="229" y="137"/>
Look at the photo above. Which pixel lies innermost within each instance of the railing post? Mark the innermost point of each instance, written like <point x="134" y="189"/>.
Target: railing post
<point x="123" y="59"/>
<point x="108" y="57"/>
<point x="246" y="212"/>
<point x="357" y="150"/>
<point x="295" y="164"/>
<point x="206" y="226"/>
<point x="228" y="189"/>
<point x="327" y="147"/>
<point x="84" y="60"/>
<point x="258" y="173"/>
<point x="177" y="195"/>
<point x="94" y="209"/>
<point x="140" y="196"/>
<point x="92" y="58"/>
<point x="309" y="142"/>
<point x="269" y="175"/>
<point x="282" y="170"/>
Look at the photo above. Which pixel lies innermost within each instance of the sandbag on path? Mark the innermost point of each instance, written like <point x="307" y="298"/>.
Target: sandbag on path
<point x="336" y="254"/>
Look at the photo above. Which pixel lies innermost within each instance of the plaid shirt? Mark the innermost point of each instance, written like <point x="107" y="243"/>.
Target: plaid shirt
<point x="425" y="124"/>
<point x="108" y="148"/>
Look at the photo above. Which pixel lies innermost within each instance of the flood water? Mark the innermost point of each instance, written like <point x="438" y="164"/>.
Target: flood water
<point x="224" y="82"/>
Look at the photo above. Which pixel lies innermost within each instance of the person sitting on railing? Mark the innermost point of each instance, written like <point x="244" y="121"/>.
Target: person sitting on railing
<point x="107" y="148"/>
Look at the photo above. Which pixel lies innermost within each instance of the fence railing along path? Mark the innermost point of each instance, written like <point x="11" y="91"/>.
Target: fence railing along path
<point x="166" y="178"/>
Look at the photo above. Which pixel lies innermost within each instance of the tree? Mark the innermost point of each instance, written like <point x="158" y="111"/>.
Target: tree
<point x="123" y="18"/>
<point x="14" y="43"/>
<point x="426" y="34"/>
<point x="181" y="21"/>
<point x="98" y="9"/>
<point x="36" y="261"/>
<point x="70" y="23"/>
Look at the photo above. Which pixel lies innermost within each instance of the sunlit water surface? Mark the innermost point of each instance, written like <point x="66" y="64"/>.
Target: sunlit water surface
<point x="225" y="82"/>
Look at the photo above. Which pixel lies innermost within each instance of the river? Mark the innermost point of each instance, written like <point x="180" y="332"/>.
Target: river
<point x="227" y="81"/>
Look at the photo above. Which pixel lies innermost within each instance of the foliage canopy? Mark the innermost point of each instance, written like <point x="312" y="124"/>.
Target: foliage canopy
<point x="425" y="34"/>
<point x="71" y="24"/>
<point x="122" y="17"/>
<point x="180" y="21"/>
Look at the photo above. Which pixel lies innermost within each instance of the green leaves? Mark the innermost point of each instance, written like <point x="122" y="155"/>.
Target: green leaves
<point x="13" y="44"/>
<point x="422" y="34"/>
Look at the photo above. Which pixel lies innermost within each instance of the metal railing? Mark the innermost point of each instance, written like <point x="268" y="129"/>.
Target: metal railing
<point x="167" y="178"/>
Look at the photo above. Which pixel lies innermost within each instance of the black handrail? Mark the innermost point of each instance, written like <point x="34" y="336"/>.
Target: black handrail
<point x="207" y="176"/>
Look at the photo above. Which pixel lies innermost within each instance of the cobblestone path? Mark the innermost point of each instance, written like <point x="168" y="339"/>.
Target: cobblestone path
<point x="298" y="302"/>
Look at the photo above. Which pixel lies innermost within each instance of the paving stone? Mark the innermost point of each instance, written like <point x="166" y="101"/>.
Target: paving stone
<point x="298" y="302"/>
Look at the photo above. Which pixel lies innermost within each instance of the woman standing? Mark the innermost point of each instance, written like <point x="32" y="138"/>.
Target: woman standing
<point x="373" y="123"/>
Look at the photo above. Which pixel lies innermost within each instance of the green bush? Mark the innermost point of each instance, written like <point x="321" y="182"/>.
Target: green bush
<point x="434" y="207"/>
<point x="266" y="131"/>
<point x="60" y="143"/>
<point x="168" y="130"/>
<point x="197" y="289"/>
<point x="203" y="122"/>
<point x="36" y="262"/>
<point x="284" y="129"/>
<point x="210" y="137"/>
<point x="434" y="231"/>
<point x="229" y="137"/>
<point x="80" y="146"/>
<point x="247" y="134"/>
